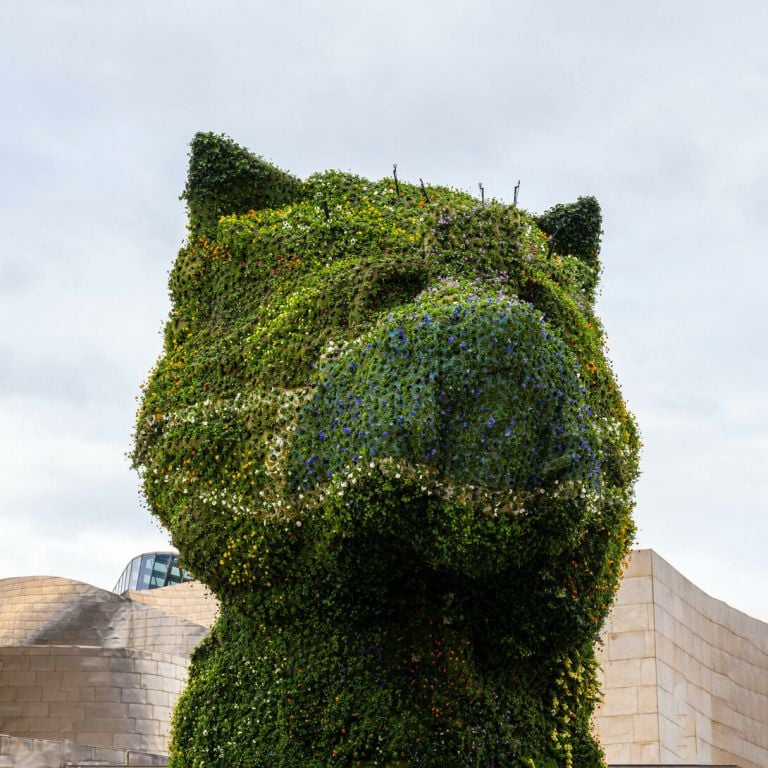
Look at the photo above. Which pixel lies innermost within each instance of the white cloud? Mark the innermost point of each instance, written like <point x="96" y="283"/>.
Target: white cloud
<point x="93" y="555"/>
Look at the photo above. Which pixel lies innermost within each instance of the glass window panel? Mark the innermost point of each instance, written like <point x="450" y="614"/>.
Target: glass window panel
<point x="145" y="572"/>
<point x="150" y="571"/>
<point x="174" y="575"/>
<point x="133" y="578"/>
<point x="159" y="571"/>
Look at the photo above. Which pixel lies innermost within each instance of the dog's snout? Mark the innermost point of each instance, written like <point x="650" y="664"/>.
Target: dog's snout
<point x="478" y="387"/>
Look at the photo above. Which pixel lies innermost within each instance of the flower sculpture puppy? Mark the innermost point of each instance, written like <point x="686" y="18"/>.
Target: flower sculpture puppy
<point x="384" y="432"/>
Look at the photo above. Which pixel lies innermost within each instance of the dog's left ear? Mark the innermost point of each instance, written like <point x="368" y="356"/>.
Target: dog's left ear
<point x="225" y="178"/>
<point x="574" y="229"/>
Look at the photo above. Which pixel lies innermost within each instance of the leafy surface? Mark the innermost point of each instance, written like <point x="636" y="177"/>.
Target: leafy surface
<point x="384" y="432"/>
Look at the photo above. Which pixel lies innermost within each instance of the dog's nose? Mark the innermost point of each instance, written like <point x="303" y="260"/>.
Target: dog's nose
<point x="479" y="387"/>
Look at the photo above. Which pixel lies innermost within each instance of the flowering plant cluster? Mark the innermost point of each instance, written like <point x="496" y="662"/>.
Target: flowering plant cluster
<point x="385" y="433"/>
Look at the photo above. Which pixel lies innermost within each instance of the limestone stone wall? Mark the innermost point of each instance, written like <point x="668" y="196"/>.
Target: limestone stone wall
<point x="106" y="697"/>
<point x="85" y="667"/>
<point x="191" y="601"/>
<point x="17" y="752"/>
<point x="47" y="610"/>
<point x="685" y="675"/>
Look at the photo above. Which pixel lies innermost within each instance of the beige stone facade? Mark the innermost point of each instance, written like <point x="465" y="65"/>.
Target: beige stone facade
<point x="84" y="669"/>
<point x="46" y="610"/>
<point x="685" y="675"/>
<point x="189" y="601"/>
<point x="17" y="752"/>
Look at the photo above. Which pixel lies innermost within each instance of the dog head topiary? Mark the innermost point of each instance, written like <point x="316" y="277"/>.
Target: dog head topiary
<point x="384" y="432"/>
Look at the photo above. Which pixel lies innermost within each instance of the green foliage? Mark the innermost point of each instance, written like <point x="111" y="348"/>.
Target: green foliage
<point x="225" y="178"/>
<point x="575" y="229"/>
<point x="385" y="433"/>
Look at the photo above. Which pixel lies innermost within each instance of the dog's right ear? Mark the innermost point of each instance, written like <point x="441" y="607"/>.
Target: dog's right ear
<point x="225" y="178"/>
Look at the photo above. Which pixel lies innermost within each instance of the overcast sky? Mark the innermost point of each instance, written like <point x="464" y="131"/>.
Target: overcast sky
<point x="659" y="108"/>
